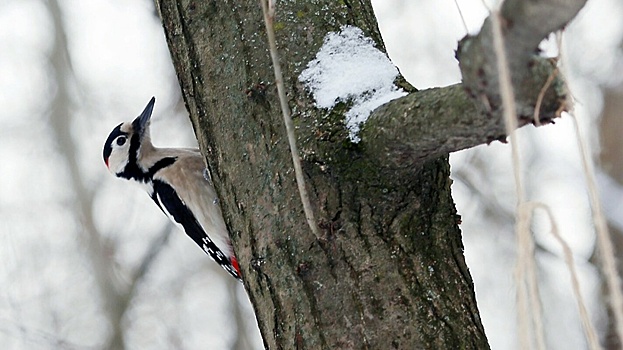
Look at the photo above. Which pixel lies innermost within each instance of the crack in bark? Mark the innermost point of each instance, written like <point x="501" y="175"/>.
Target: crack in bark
<point x="315" y="313"/>
<point x="355" y="275"/>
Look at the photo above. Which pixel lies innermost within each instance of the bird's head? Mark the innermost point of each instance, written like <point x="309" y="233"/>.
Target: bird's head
<point x="123" y="146"/>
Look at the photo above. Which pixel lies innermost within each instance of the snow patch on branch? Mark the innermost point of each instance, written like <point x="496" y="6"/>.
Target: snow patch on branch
<point x="349" y="68"/>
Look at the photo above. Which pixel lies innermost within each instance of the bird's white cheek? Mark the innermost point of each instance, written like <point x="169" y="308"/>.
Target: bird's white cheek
<point x="120" y="168"/>
<point x="116" y="164"/>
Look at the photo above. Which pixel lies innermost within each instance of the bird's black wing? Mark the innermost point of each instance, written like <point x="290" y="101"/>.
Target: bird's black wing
<point x="169" y="202"/>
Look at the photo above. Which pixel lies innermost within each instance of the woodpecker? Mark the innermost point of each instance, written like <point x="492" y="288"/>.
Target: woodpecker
<point x="177" y="181"/>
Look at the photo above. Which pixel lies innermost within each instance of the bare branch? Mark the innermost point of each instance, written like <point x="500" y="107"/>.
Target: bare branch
<point x="429" y="123"/>
<point x="148" y="260"/>
<point x="524" y="25"/>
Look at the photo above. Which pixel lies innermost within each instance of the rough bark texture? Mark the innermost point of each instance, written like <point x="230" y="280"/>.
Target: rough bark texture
<point x="390" y="272"/>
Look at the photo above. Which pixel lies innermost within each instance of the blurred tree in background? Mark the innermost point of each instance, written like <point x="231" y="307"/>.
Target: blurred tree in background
<point x="81" y="269"/>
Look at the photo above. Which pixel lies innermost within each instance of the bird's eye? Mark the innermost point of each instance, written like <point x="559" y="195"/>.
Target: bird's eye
<point x="121" y="140"/>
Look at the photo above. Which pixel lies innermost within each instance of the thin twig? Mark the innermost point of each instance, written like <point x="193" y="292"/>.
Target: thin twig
<point x="604" y="241"/>
<point x="268" y="7"/>
<point x="525" y="259"/>
<point x="154" y="250"/>
<point x="589" y="330"/>
<point x="539" y="99"/>
<point x="456" y="2"/>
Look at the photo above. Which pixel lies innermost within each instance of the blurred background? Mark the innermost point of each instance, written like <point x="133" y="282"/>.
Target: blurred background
<point x="88" y="262"/>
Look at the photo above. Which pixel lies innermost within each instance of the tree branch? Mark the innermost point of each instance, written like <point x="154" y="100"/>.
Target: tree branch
<point x="429" y="123"/>
<point x="524" y="25"/>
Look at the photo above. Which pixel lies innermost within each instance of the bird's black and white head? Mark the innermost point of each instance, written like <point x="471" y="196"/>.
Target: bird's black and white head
<point x="122" y="150"/>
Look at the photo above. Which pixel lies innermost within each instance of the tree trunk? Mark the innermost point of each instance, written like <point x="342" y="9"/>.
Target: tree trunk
<point x="389" y="271"/>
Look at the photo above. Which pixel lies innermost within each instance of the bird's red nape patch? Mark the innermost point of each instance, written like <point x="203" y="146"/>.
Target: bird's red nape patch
<point x="234" y="263"/>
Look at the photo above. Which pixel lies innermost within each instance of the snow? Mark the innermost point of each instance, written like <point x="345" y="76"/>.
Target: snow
<point x="348" y="68"/>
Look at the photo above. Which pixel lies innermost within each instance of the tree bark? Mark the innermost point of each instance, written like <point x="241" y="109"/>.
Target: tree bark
<point x="389" y="272"/>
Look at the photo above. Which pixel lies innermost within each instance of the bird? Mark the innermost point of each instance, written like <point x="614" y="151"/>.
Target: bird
<point x="177" y="180"/>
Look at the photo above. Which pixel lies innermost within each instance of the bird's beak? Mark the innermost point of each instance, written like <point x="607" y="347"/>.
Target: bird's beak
<point x="141" y="122"/>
